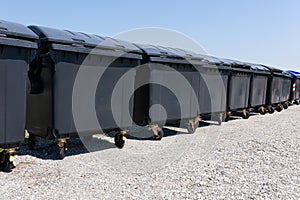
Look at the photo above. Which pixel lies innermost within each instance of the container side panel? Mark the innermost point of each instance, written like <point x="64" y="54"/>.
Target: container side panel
<point x="239" y="92"/>
<point x="259" y="91"/>
<point x="16" y="84"/>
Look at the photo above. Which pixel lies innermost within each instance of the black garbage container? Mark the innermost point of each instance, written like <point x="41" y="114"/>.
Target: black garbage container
<point x="214" y="75"/>
<point x="238" y="88"/>
<point x="295" y="88"/>
<point x="179" y="82"/>
<point x="258" y="87"/>
<point x="17" y="49"/>
<point x="278" y="93"/>
<point x="70" y="61"/>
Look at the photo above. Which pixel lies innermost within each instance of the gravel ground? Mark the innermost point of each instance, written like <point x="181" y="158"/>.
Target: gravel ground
<point x="256" y="158"/>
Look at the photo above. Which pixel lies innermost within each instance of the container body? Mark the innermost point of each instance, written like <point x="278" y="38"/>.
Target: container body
<point x="258" y="90"/>
<point x="54" y="109"/>
<point x="83" y="84"/>
<point x="168" y="93"/>
<point x="178" y="86"/>
<point x="17" y="49"/>
<point x="239" y="88"/>
<point x="279" y="89"/>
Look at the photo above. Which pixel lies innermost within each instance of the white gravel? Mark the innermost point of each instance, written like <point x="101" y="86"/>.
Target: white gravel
<point x="258" y="158"/>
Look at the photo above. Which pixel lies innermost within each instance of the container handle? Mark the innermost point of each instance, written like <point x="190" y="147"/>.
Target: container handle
<point x="78" y="40"/>
<point x="3" y="28"/>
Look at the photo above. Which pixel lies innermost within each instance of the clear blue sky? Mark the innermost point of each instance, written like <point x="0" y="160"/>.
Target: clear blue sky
<point x="262" y="31"/>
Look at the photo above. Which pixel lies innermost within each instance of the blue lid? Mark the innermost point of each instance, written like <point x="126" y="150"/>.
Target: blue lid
<point x="293" y="73"/>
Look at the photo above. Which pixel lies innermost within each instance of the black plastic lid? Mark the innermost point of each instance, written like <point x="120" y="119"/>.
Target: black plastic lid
<point x="77" y="38"/>
<point x="15" y="30"/>
<point x="278" y="72"/>
<point x="156" y="51"/>
<point x="237" y="65"/>
<point x="176" y="55"/>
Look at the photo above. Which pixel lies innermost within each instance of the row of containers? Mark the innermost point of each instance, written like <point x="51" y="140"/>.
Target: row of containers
<point x="59" y="84"/>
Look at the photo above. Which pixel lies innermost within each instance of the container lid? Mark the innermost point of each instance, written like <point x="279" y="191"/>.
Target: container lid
<point x="169" y="52"/>
<point x="77" y="38"/>
<point x="279" y="72"/>
<point x="258" y="68"/>
<point x="214" y="60"/>
<point x="15" y="30"/>
<point x="156" y="51"/>
<point x="177" y="55"/>
<point x="237" y="65"/>
<point x="182" y="53"/>
<point x="165" y="54"/>
<point x="294" y="73"/>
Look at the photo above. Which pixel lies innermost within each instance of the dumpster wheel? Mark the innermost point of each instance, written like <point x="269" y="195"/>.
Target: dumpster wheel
<point x="279" y="107"/>
<point x="120" y="139"/>
<point x="270" y="109"/>
<point x="158" y="133"/>
<point x="227" y="116"/>
<point x="245" y="113"/>
<point x="62" y="145"/>
<point x="285" y="105"/>
<point x="262" y="110"/>
<point x="193" y="124"/>
<point x="6" y="159"/>
<point x="31" y="141"/>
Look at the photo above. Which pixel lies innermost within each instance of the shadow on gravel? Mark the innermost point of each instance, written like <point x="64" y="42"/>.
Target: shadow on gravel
<point x="169" y="131"/>
<point x="48" y="149"/>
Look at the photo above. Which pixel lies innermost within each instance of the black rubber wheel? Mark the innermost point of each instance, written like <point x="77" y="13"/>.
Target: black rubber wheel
<point x="271" y="110"/>
<point x="226" y="119"/>
<point x="246" y="116"/>
<point x="192" y="129"/>
<point x="159" y="136"/>
<point x="262" y="111"/>
<point x="285" y="106"/>
<point x="63" y="151"/>
<point x="119" y="141"/>
<point x="6" y="165"/>
<point x="279" y="108"/>
<point x="31" y="142"/>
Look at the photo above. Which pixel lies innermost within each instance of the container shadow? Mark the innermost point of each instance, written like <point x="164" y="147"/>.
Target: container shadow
<point x="169" y="131"/>
<point x="48" y="150"/>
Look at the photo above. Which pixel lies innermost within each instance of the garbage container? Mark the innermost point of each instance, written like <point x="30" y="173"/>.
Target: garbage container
<point x="214" y="74"/>
<point x="258" y="87"/>
<point x="177" y="80"/>
<point x="238" y="88"/>
<point x="278" y="93"/>
<point x="17" y="49"/>
<point x="295" y="89"/>
<point x="54" y="71"/>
